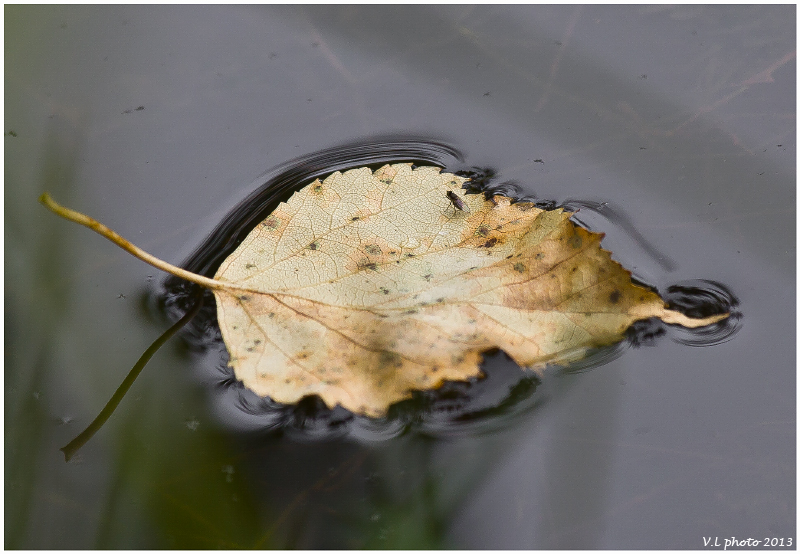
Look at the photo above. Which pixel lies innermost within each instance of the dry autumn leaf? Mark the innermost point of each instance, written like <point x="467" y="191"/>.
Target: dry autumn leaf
<point x="369" y="285"/>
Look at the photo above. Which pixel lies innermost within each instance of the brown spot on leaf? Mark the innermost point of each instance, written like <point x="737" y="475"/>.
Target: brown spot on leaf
<point x="366" y="264"/>
<point x="373" y="249"/>
<point x="390" y="359"/>
<point x="272" y="223"/>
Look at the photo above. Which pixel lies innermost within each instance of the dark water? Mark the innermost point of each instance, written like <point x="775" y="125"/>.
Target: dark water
<point x="671" y="129"/>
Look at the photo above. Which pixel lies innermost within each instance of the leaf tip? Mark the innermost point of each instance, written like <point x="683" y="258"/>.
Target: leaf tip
<point x="674" y="317"/>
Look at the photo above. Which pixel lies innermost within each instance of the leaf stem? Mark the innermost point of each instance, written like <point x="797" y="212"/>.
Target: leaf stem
<point x="76" y="443"/>
<point x="104" y="231"/>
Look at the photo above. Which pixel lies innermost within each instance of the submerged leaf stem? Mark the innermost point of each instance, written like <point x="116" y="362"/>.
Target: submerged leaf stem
<point x="76" y="443"/>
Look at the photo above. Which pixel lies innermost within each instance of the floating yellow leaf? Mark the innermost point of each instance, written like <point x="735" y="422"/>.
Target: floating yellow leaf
<point x="368" y="285"/>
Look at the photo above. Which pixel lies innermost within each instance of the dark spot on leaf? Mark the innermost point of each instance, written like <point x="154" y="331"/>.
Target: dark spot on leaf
<point x="428" y="277"/>
<point x="244" y="298"/>
<point x="489" y="243"/>
<point x="614" y="297"/>
<point x="390" y="359"/>
<point x="575" y="241"/>
<point x="272" y="223"/>
<point x="482" y="230"/>
<point x="519" y="267"/>
<point x="384" y="290"/>
<point x="313" y="246"/>
<point x="249" y="266"/>
<point x="539" y="255"/>
<point x="373" y="249"/>
<point x="356" y="218"/>
<point x="317" y="188"/>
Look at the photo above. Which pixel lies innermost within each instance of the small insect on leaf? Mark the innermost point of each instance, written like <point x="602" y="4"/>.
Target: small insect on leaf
<point x="457" y="202"/>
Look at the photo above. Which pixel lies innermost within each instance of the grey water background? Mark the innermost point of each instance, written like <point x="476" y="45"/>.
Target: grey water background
<point x="158" y="120"/>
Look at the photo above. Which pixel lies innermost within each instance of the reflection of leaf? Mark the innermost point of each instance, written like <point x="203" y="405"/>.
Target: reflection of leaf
<point x="366" y="286"/>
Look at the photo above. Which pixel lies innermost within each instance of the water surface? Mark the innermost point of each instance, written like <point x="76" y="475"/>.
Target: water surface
<point x="680" y="118"/>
